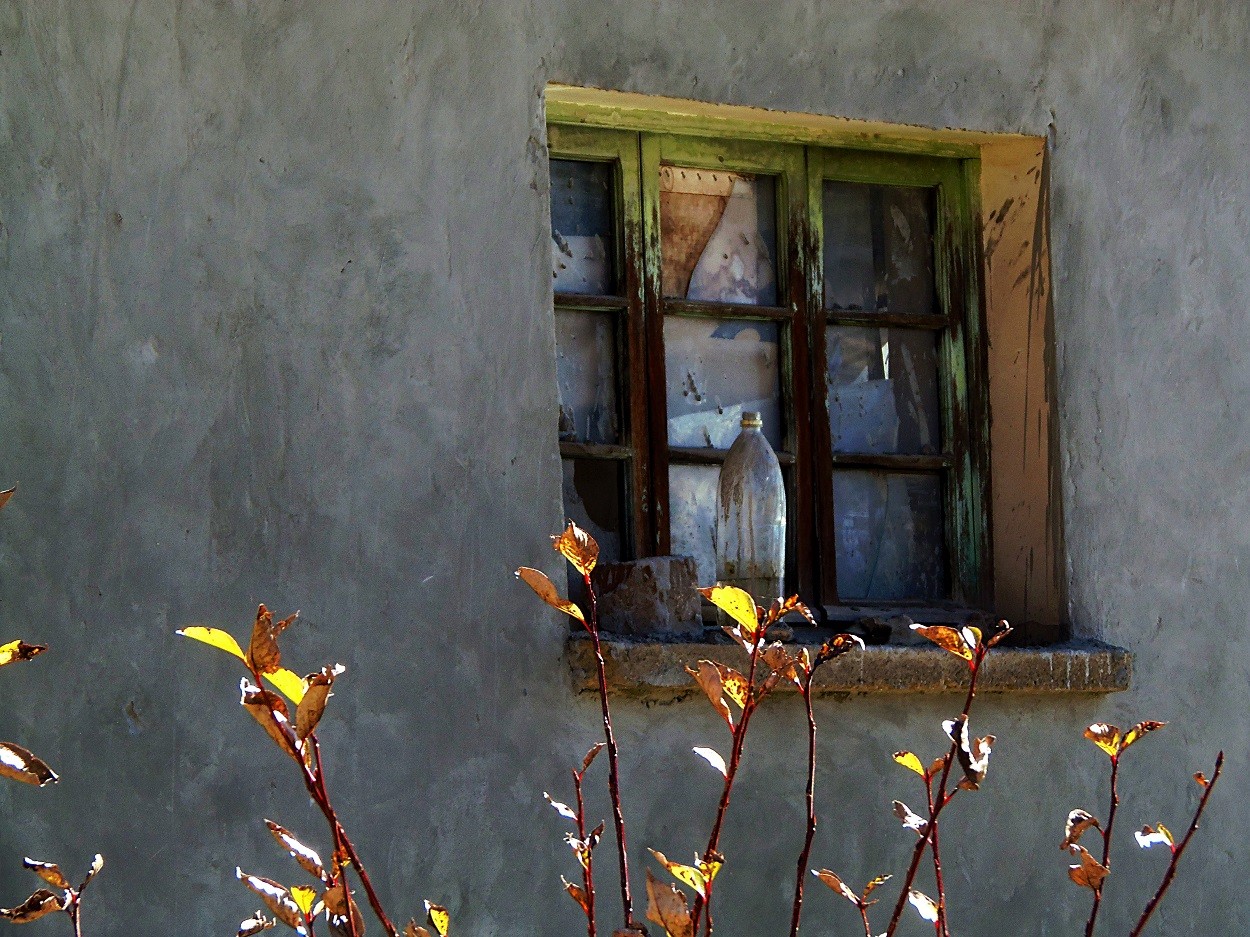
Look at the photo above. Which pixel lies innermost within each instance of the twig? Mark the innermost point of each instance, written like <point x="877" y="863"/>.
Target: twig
<point x="1106" y="843"/>
<point x="804" y="856"/>
<point x="1176" y="853"/>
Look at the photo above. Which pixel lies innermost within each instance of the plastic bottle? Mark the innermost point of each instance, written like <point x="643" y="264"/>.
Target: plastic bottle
<point x="751" y="516"/>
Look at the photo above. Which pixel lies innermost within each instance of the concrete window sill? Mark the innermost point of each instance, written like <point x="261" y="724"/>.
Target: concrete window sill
<point x="653" y="671"/>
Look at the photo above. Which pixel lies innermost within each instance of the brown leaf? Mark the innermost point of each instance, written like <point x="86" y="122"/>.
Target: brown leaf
<point x="1135" y="733"/>
<point x="590" y="755"/>
<point x="785" y="666"/>
<point x="838" y="645"/>
<point x="18" y="764"/>
<point x="255" y="924"/>
<point x="577" y="893"/>
<point x="1078" y="822"/>
<point x="269" y="709"/>
<point x="709" y="679"/>
<point x="911" y="819"/>
<point x="413" y="929"/>
<point x="947" y="638"/>
<point x="734" y="685"/>
<point x="263" y="654"/>
<point x="307" y="858"/>
<point x="578" y="547"/>
<point x="338" y="905"/>
<point x="546" y="590"/>
<point x="999" y="631"/>
<point x="667" y="906"/>
<point x="6" y="495"/>
<point x="1106" y="737"/>
<point x="308" y="712"/>
<point x="50" y="872"/>
<point x="1090" y="873"/>
<point x="277" y="898"/>
<point x="831" y="879"/>
<point x="33" y="908"/>
<point x="938" y="764"/>
<point x="1201" y="779"/>
<point x="17" y="651"/>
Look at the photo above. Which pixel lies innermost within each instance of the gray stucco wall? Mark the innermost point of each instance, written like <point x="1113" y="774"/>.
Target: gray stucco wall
<point x="273" y="280"/>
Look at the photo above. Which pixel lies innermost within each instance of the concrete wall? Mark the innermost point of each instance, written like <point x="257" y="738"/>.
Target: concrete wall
<point x="273" y="279"/>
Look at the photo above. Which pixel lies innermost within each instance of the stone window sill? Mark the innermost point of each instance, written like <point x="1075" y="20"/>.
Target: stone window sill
<point x="654" y="671"/>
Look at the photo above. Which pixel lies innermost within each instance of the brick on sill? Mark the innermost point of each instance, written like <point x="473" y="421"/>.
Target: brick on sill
<point x="651" y="670"/>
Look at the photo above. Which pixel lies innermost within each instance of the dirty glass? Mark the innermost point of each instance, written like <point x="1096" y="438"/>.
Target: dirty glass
<point x="718" y="236"/>
<point x="889" y="536"/>
<point x="582" y="227"/>
<point x="692" y="515"/>
<point x="883" y="390"/>
<point x="878" y="251"/>
<point x="715" y="369"/>
<point x="594" y="491"/>
<point x="586" y="376"/>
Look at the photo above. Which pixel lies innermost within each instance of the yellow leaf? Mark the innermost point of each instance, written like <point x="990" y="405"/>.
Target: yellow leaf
<point x="222" y="640"/>
<point x="709" y="869"/>
<point x="686" y="874"/>
<point x="304" y="897"/>
<point x="1133" y="734"/>
<point x="948" y="639"/>
<point x="438" y="917"/>
<point x="733" y="684"/>
<point x="288" y="684"/>
<point x="735" y="603"/>
<point x="1106" y="737"/>
<point x="19" y="650"/>
<point x="546" y="591"/>
<point x="578" y="547"/>
<point x="909" y="760"/>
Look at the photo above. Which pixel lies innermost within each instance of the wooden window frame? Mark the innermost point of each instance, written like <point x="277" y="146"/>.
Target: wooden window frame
<point x="800" y="167"/>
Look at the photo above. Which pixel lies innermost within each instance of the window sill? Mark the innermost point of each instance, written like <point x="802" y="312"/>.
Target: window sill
<point x="654" y="671"/>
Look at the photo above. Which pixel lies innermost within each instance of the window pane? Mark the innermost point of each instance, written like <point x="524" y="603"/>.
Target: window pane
<point x="715" y="369"/>
<point x="889" y="536"/>
<point x="582" y="227"/>
<point x="718" y="233"/>
<point x="594" y="491"/>
<point x="883" y="390"/>
<point x="878" y="248"/>
<point x="586" y="376"/>
<point x="692" y="515"/>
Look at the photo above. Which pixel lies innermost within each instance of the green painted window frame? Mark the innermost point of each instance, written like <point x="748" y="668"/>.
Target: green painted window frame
<point x="638" y="144"/>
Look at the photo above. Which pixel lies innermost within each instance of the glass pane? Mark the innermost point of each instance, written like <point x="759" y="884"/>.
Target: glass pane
<point x="586" y="376"/>
<point x="883" y="390"/>
<point x="889" y="536"/>
<point x="594" y="492"/>
<point x="582" y="227"/>
<point x="692" y="515"/>
<point x="878" y="247"/>
<point x="718" y="233"/>
<point x="715" y="369"/>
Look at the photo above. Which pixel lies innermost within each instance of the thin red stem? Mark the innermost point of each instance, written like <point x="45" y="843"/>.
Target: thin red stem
<point x="588" y="876"/>
<point x="614" y="785"/>
<point x="935" y="852"/>
<point x="863" y="913"/>
<point x="1179" y="850"/>
<point x="1106" y="843"/>
<point x="801" y="873"/>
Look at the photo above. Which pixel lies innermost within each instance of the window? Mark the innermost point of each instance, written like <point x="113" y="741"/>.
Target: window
<point x="699" y="273"/>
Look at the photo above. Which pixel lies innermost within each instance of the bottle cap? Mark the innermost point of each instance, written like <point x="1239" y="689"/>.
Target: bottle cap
<point x="751" y="419"/>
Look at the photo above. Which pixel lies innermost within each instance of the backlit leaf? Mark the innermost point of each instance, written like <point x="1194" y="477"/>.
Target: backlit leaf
<point x="1201" y="779"/>
<point x="270" y="711"/>
<point x="339" y="904"/>
<point x="413" y="929"/>
<point x="215" y="637"/>
<point x="939" y="763"/>
<point x="307" y="858"/>
<point x="711" y="867"/>
<point x="1106" y="737"/>
<point x="563" y="809"/>
<point x="973" y="753"/>
<point x="578" y="547"/>
<point x="263" y="654"/>
<point x="924" y="905"/>
<point x="910" y="761"/>
<point x="17" y="764"/>
<point x="737" y="604"/>
<point x="831" y="879"/>
<point x="255" y="924"/>
<point x="33" y="908"/>
<point x="277" y="899"/>
<point x="911" y="819"/>
<point x="667" y="907"/>
<point x="686" y="874"/>
<point x="1090" y="873"/>
<point x="874" y="885"/>
<point x="50" y="872"/>
<point x="1078" y="822"/>
<point x="838" y="645"/>
<point x="708" y="677"/>
<point x="947" y="638"/>
<point x="734" y="685"/>
<point x="590" y="755"/>
<point x="288" y="684"/>
<point x="788" y="667"/>
<point x="577" y="893"/>
<point x="713" y="758"/>
<point x="999" y="631"/>
<point x="438" y="917"/>
<point x="303" y="896"/>
<point x="17" y="651"/>
<point x="6" y="495"/>
<point x="316" y="693"/>
<point x="1149" y="836"/>
<point x="97" y="864"/>
<point x="1135" y="733"/>
<point x="546" y="591"/>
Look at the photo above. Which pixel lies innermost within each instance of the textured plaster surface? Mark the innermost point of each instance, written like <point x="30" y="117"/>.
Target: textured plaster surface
<point x="274" y="324"/>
